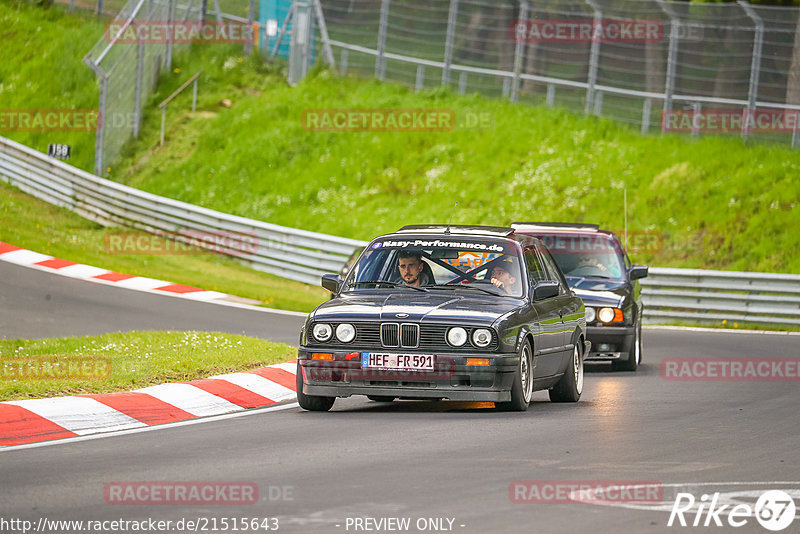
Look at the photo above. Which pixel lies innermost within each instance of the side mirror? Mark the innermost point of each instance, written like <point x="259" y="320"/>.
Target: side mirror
<point x="332" y="282"/>
<point x="638" y="271"/>
<point x="545" y="289"/>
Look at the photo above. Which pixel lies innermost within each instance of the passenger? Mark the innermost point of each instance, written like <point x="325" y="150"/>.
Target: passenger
<point x="412" y="269"/>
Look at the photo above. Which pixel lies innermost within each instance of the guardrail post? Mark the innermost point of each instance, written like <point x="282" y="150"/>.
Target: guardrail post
<point x="420" y="84"/>
<point x="672" y="56"/>
<point x="646" y="115"/>
<point x="383" y="27"/>
<point x="163" y="122"/>
<point x="551" y="95"/>
<point x="755" y="65"/>
<point x="796" y="130"/>
<point x="448" y="43"/>
<point x="519" y="54"/>
<point x="462" y="83"/>
<point x="598" y="103"/>
<point x="194" y="95"/>
<point x="594" y="56"/>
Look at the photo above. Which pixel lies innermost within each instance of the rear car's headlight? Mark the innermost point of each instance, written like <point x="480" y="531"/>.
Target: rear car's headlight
<point x="610" y="315"/>
<point x="590" y="314"/>
<point x="481" y="337"/>
<point x="322" y="332"/>
<point x="457" y="336"/>
<point x="345" y="332"/>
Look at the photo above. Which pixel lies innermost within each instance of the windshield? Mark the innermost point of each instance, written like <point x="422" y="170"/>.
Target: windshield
<point x="481" y="264"/>
<point x="581" y="255"/>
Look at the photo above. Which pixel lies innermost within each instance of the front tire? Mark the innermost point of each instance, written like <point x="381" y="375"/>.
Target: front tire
<point x="311" y="403"/>
<point x="522" y="389"/>
<point x="634" y="355"/>
<point x="570" y="387"/>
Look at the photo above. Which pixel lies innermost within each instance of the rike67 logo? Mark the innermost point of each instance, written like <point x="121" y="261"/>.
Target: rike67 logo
<point x="774" y="510"/>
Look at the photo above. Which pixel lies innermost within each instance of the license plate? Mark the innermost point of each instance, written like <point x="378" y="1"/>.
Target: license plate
<point x="407" y="362"/>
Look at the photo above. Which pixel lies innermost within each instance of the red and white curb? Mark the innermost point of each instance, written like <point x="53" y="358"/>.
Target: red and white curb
<point x="36" y="420"/>
<point x="36" y="260"/>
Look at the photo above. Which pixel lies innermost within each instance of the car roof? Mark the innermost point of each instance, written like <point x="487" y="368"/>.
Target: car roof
<point x="554" y="227"/>
<point x="457" y="229"/>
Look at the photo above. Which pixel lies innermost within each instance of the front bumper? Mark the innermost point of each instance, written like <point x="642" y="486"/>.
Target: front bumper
<point x="451" y="378"/>
<point x="610" y="343"/>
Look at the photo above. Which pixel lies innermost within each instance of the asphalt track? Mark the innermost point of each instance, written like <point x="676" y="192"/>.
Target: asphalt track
<point x="413" y="459"/>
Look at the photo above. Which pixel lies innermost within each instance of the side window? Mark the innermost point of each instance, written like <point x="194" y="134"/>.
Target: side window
<point x="535" y="269"/>
<point x="553" y="272"/>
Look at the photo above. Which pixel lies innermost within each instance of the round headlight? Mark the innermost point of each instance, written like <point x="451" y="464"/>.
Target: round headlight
<point x="481" y="337"/>
<point x="345" y="332"/>
<point x="606" y="314"/>
<point x="322" y="331"/>
<point x="457" y="336"/>
<point x="589" y="314"/>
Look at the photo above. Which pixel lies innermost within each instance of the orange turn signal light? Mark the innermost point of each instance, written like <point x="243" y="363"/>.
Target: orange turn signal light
<point x="477" y="361"/>
<point x="322" y="356"/>
<point x="617" y="316"/>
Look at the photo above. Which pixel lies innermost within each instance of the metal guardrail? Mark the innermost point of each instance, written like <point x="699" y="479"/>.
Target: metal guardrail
<point x="669" y="294"/>
<point x="286" y="252"/>
<point x="700" y="295"/>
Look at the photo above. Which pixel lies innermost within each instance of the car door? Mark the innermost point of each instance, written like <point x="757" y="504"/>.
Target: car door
<point x="569" y="307"/>
<point x="548" y="331"/>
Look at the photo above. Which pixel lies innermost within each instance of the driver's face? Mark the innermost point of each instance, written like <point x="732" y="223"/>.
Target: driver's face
<point x="410" y="269"/>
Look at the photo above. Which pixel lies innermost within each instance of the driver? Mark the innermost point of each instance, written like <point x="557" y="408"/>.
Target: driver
<point x="501" y="277"/>
<point x="589" y="265"/>
<point x="412" y="269"/>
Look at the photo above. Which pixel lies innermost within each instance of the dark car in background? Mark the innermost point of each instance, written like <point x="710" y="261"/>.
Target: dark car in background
<point x="445" y="312"/>
<point x="598" y="269"/>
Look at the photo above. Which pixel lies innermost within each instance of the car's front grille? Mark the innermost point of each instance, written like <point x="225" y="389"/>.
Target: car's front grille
<point x="373" y="335"/>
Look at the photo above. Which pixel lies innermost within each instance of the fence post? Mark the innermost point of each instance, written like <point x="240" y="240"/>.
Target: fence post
<point x="448" y="44"/>
<point x="696" y="109"/>
<point x="137" y="103"/>
<point x="300" y="42"/>
<point x="99" y="7"/>
<point x="99" y="143"/>
<point x="594" y="56"/>
<point x="420" y="84"/>
<point x="251" y="16"/>
<point x="646" y="115"/>
<point x="462" y="83"/>
<point x="755" y="66"/>
<point x="551" y="94"/>
<point x="343" y="62"/>
<point x="672" y="57"/>
<point x="598" y="103"/>
<point x="380" y="60"/>
<point x="323" y="32"/>
<point x="519" y="54"/>
<point x="171" y="20"/>
<point x="796" y="130"/>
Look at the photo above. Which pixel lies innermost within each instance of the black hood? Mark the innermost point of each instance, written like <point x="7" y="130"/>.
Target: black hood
<point x="437" y="306"/>
<point x="598" y="291"/>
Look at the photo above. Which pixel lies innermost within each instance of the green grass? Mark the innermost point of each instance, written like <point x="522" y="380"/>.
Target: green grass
<point x="715" y="202"/>
<point x="42" y="69"/>
<point x="124" y="361"/>
<point x="30" y="223"/>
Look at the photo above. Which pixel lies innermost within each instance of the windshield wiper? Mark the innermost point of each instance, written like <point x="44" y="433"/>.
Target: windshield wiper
<point x="387" y="283"/>
<point x="468" y="286"/>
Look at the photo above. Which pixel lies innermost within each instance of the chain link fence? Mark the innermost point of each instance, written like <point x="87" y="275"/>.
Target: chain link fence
<point x="661" y="66"/>
<point x="688" y="67"/>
